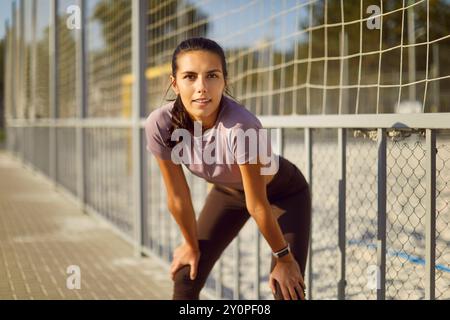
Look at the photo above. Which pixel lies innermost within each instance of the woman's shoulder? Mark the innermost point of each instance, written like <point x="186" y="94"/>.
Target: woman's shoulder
<point x="156" y="131"/>
<point x="158" y="122"/>
<point x="160" y="115"/>
<point x="238" y="116"/>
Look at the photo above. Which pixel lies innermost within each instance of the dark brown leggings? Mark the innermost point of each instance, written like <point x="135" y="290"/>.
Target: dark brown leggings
<point x="225" y="213"/>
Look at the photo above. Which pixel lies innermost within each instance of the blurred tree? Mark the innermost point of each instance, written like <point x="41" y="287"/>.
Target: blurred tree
<point x="114" y="16"/>
<point x="168" y="24"/>
<point x="67" y="68"/>
<point x="439" y="17"/>
<point x="43" y="76"/>
<point x="66" y="72"/>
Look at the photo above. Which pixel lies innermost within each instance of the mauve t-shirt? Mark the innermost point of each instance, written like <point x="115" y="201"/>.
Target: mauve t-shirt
<point x="224" y="170"/>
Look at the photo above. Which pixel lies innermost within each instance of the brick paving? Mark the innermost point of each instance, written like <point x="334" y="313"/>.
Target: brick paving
<point x="42" y="233"/>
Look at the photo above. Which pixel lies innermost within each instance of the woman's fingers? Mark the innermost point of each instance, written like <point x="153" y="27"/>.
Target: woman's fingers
<point x="293" y="293"/>
<point x="302" y="288"/>
<point x="272" y="284"/>
<point x="174" y="268"/>
<point x="300" y="292"/>
<point x="302" y="284"/>
<point x="194" y="266"/>
<point x="288" y="292"/>
<point x="285" y="292"/>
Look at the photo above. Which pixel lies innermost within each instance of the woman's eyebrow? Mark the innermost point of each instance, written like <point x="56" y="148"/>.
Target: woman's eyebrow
<point x="210" y="71"/>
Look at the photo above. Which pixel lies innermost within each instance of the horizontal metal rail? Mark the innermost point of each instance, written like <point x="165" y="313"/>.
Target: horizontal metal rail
<point x="368" y="121"/>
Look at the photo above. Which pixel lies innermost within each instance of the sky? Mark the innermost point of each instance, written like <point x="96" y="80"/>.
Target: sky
<point x="211" y="8"/>
<point x="5" y="14"/>
<point x="238" y="20"/>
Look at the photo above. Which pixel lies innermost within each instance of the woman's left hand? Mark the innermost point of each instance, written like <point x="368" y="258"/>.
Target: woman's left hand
<point x="287" y="274"/>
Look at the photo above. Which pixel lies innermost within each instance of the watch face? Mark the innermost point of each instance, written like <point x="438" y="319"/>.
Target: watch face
<point x="282" y="254"/>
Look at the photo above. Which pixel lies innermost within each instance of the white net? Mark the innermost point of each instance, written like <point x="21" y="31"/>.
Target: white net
<point x="315" y="57"/>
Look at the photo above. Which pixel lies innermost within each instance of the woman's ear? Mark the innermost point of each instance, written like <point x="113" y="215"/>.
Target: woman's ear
<point x="173" y="84"/>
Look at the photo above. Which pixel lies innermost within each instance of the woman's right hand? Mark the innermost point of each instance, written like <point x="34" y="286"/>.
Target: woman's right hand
<point x="185" y="255"/>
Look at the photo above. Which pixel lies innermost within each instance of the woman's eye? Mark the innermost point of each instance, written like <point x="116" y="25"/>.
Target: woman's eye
<point x="192" y="77"/>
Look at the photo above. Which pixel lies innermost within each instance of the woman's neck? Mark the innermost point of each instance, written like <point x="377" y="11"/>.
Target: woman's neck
<point x="209" y="123"/>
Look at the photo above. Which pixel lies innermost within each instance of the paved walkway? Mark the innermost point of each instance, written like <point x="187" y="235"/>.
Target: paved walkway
<point x="42" y="233"/>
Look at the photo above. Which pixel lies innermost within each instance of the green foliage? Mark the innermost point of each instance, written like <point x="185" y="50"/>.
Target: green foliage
<point x="116" y="15"/>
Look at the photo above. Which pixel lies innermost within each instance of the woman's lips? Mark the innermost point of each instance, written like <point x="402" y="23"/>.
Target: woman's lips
<point x="202" y="102"/>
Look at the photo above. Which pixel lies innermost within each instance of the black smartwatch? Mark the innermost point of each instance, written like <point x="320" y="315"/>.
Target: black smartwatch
<point x="282" y="252"/>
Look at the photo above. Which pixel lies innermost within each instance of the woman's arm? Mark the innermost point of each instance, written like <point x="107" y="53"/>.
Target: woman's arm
<point x="180" y="205"/>
<point x="259" y="207"/>
<point x="179" y="200"/>
<point x="286" y="271"/>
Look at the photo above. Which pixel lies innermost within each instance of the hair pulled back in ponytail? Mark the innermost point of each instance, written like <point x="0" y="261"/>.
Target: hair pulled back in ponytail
<point x="180" y="116"/>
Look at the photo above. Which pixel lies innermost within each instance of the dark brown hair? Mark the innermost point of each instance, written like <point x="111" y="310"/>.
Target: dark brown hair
<point x="180" y="116"/>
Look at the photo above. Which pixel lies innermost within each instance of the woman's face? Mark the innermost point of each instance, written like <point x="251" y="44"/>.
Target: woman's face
<point x="200" y="83"/>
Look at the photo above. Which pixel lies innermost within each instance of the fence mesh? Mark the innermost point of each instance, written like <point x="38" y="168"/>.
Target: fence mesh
<point x="361" y="206"/>
<point x="443" y="216"/>
<point x="42" y="74"/>
<point x="66" y="62"/>
<point x="108" y="174"/>
<point x="109" y="62"/>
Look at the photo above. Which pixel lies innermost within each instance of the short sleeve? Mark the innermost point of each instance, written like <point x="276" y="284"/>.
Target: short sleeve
<point x="251" y="141"/>
<point x="155" y="137"/>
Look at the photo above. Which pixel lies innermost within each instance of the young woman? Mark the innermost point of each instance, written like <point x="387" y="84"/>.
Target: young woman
<point x="279" y="202"/>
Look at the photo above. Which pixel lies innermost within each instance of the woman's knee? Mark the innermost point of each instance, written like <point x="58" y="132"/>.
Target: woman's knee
<point x="184" y="287"/>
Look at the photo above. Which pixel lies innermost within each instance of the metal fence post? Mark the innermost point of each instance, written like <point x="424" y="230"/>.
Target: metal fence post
<point x="13" y="76"/>
<point x="309" y="178"/>
<point x="53" y="56"/>
<point x="411" y="25"/>
<point x="33" y="81"/>
<point x="81" y="87"/>
<point x="342" y="142"/>
<point x="13" y="64"/>
<point x="139" y="24"/>
<point x="381" y="238"/>
<point x="21" y="89"/>
<point x="430" y="233"/>
<point x="6" y="72"/>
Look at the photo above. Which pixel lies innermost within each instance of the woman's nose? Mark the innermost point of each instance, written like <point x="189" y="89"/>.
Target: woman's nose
<point x="201" y="85"/>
